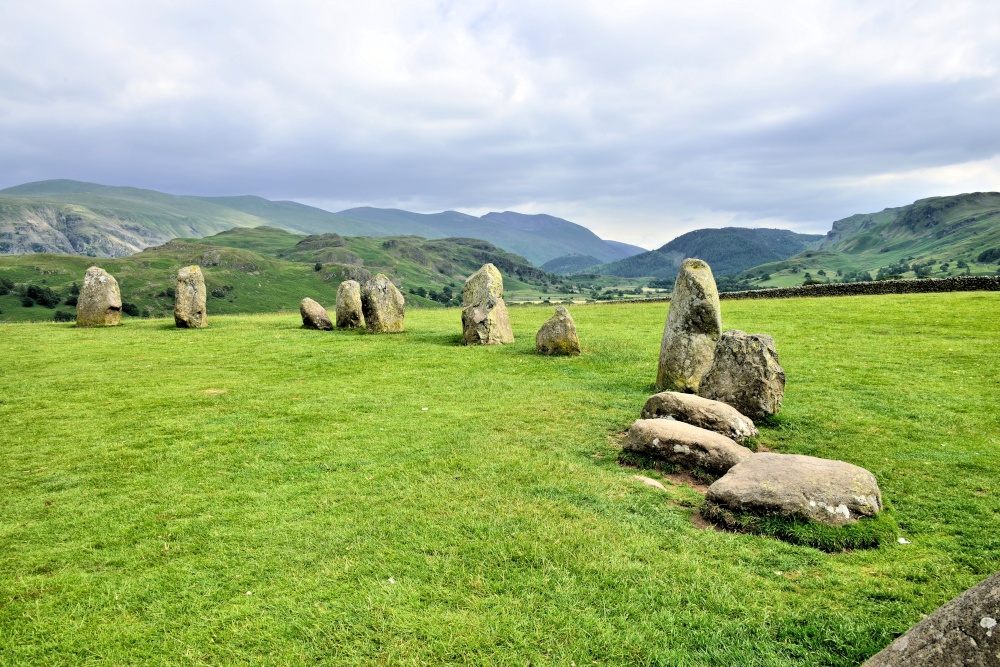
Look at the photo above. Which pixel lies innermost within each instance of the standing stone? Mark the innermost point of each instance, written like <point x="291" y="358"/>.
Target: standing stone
<point x="791" y="485"/>
<point x="100" y="300"/>
<point x="314" y="316"/>
<point x="484" y="314"/>
<point x="382" y="305"/>
<point x="702" y="412"/>
<point x="349" y="312"/>
<point x="962" y="632"/>
<point x="558" y="335"/>
<point x="694" y="323"/>
<point x="746" y="374"/>
<point x="189" y="303"/>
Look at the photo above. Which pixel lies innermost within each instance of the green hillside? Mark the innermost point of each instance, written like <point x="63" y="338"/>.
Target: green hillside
<point x="264" y="269"/>
<point x="100" y="221"/>
<point x="570" y="264"/>
<point x="728" y="250"/>
<point x="71" y="217"/>
<point x="937" y="237"/>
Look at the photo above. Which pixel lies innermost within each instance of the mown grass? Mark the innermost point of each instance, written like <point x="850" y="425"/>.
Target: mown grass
<point x="254" y="493"/>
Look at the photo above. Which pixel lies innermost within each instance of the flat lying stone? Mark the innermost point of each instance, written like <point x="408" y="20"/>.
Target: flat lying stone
<point x="791" y="485"/>
<point x="962" y="632"/>
<point x="314" y="316"/>
<point x="702" y="412"/>
<point x="685" y="445"/>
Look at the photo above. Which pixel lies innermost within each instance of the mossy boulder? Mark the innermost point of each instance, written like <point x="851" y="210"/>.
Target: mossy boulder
<point x="190" y="299"/>
<point x="382" y="305"/>
<point x="314" y="316"/>
<point x="694" y="323"/>
<point x="745" y="374"/>
<point x="962" y="632"/>
<point x="100" y="301"/>
<point x="485" y="320"/>
<point x="350" y="314"/>
<point x="558" y="335"/>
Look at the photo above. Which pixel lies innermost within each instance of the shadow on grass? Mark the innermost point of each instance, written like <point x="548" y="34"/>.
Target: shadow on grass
<point x="866" y="533"/>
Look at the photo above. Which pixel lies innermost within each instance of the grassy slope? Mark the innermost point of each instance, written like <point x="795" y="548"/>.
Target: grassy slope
<point x="313" y="512"/>
<point x="944" y="229"/>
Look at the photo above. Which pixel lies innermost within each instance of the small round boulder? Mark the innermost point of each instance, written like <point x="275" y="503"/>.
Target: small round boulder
<point x="558" y="335"/>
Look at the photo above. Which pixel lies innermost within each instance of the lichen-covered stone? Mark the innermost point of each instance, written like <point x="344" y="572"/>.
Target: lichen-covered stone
<point x="745" y="373"/>
<point x="485" y="320"/>
<point x="702" y="412"/>
<point x="100" y="301"/>
<point x="694" y="322"/>
<point x="962" y="632"/>
<point x="382" y="305"/>
<point x="350" y="315"/>
<point x="558" y="335"/>
<point x="792" y="485"/>
<point x="189" y="302"/>
<point x="685" y="445"/>
<point x="314" y="316"/>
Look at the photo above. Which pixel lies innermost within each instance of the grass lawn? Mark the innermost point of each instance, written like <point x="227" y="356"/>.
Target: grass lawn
<point x="255" y="493"/>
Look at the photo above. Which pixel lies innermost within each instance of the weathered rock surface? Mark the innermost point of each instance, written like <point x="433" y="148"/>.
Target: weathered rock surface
<point x="791" y="485"/>
<point x="962" y="632"/>
<point x="558" y="335"/>
<point x="314" y="316"/>
<point x="694" y="323"/>
<point x="702" y="412"/>
<point x="685" y="445"/>
<point x="100" y="301"/>
<point x="485" y="320"/>
<point x="350" y="315"/>
<point x="382" y="305"/>
<point x="746" y="374"/>
<point x="189" y="303"/>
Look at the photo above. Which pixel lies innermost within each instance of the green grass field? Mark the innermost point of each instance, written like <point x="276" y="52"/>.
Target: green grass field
<point x="255" y="493"/>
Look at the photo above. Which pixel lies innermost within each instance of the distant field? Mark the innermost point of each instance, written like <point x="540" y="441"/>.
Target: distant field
<point x="254" y="493"/>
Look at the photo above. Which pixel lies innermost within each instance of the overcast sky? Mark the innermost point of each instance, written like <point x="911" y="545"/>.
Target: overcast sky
<point x="641" y="120"/>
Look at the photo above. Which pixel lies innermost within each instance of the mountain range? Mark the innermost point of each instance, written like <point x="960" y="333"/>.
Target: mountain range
<point x="72" y="217"/>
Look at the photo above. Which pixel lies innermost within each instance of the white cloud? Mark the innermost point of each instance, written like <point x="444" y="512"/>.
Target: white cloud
<point x="640" y="119"/>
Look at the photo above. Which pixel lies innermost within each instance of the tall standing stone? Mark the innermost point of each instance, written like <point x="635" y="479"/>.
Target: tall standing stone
<point x="350" y="315"/>
<point x="100" y="300"/>
<point x="189" y="303"/>
<point x="382" y="305"/>
<point x="485" y="320"/>
<point x="694" y="323"/>
<point x="558" y="335"/>
<point x="314" y="315"/>
<point x="745" y="373"/>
